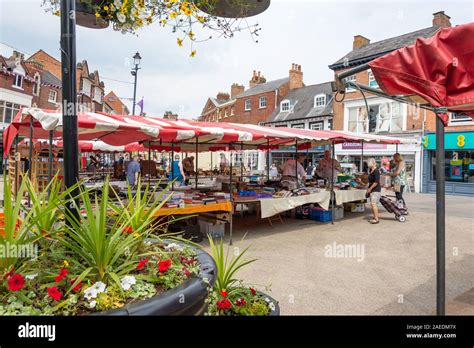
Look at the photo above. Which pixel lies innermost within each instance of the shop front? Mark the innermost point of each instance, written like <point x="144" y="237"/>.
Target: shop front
<point x="351" y="153"/>
<point x="458" y="167"/>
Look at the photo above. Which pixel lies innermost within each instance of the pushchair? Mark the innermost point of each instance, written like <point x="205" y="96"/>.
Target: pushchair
<point x="395" y="207"/>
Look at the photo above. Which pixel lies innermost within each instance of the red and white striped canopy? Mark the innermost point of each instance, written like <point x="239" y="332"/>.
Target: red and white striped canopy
<point x="162" y="134"/>
<point x="87" y="146"/>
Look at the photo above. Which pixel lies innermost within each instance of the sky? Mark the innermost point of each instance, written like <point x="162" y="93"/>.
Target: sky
<point x="311" y="33"/>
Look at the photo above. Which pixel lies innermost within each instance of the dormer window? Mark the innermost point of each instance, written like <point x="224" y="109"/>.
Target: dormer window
<point x="18" y="81"/>
<point x="285" y="106"/>
<point x="320" y="100"/>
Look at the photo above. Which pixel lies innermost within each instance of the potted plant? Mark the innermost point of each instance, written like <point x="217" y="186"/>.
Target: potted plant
<point x="98" y="264"/>
<point x="232" y="297"/>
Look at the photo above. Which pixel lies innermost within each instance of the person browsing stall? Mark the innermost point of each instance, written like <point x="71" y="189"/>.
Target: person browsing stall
<point x="177" y="172"/>
<point x="294" y="167"/>
<point x="133" y="170"/>
<point x="399" y="176"/>
<point x="324" y="168"/>
<point x="188" y="167"/>
<point x="374" y="190"/>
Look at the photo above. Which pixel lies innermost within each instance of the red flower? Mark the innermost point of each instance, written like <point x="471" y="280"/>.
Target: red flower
<point x="9" y="273"/>
<point x="77" y="287"/>
<point x="62" y="273"/>
<point x="16" y="282"/>
<point x="128" y="229"/>
<point x="54" y="293"/>
<point x="186" y="272"/>
<point x="224" y="304"/>
<point x="224" y="293"/>
<point x="187" y="261"/>
<point x="240" y="302"/>
<point x="253" y="291"/>
<point x="142" y="263"/>
<point x="164" y="265"/>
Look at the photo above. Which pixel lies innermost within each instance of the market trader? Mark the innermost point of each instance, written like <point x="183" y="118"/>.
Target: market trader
<point x="294" y="167"/>
<point x="133" y="170"/>
<point x="324" y="168"/>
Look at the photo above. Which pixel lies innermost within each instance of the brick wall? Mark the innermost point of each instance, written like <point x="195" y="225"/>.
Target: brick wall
<point x="256" y="114"/>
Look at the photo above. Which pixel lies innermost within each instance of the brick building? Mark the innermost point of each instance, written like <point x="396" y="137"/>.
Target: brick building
<point x="114" y="105"/>
<point x="384" y="116"/>
<point x="254" y="105"/>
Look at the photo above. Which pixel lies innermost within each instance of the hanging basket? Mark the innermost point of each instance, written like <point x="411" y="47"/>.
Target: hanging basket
<point x="233" y="8"/>
<point x="85" y="15"/>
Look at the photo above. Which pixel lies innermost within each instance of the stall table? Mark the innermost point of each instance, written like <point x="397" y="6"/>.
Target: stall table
<point x="346" y="196"/>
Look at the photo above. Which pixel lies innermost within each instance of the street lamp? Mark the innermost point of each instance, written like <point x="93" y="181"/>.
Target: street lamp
<point x="136" y="62"/>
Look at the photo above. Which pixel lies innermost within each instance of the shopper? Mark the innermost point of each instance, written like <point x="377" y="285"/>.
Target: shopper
<point x="293" y="169"/>
<point x="177" y="172"/>
<point x="325" y="167"/>
<point x="399" y="176"/>
<point x="133" y="170"/>
<point x="374" y="190"/>
<point x="188" y="167"/>
<point x="223" y="162"/>
<point x="273" y="170"/>
<point x="309" y="170"/>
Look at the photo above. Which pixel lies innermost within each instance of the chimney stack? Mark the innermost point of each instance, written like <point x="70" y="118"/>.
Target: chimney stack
<point x="256" y="79"/>
<point x="441" y="19"/>
<point x="222" y="96"/>
<point x="360" y="41"/>
<point x="236" y="89"/>
<point x="296" y="76"/>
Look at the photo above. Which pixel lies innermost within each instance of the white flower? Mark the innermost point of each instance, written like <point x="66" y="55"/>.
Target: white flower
<point x="118" y="3"/>
<point x="126" y="251"/>
<point x="121" y="17"/>
<point x="127" y="282"/>
<point x="31" y="276"/>
<point x="94" y="290"/>
<point x="267" y="299"/>
<point x="271" y="305"/>
<point x="92" y="304"/>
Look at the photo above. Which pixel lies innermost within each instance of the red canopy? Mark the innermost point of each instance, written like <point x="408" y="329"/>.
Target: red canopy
<point x="439" y="69"/>
<point x="88" y="146"/>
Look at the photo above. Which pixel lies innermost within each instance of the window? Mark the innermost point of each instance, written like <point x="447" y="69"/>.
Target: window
<point x="86" y="87"/>
<point x="248" y="105"/>
<point x="52" y="96"/>
<point x="350" y="79"/>
<point x="36" y="85"/>
<point x="298" y="125"/>
<point x="372" y="81"/>
<point x="330" y="124"/>
<point x="98" y="95"/>
<point x="316" y="126"/>
<point x="320" y="100"/>
<point x="262" y="102"/>
<point x="384" y="117"/>
<point x="8" y="111"/>
<point x="18" y="81"/>
<point x="458" y="166"/>
<point x="285" y="106"/>
<point x="457" y="118"/>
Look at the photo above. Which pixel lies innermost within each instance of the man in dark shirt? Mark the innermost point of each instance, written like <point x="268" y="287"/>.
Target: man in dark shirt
<point x="374" y="190"/>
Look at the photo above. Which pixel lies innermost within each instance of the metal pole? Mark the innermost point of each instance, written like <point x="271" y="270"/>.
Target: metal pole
<point x="135" y="88"/>
<point x="69" y="94"/>
<point x="50" y="157"/>
<point x="149" y="163"/>
<point x="362" y="157"/>
<point x="16" y="164"/>
<point x="268" y="160"/>
<point x="241" y="161"/>
<point x="212" y="169"/>
<point x="197" y="163"/>
<point x="440" y="218"/>
<point x="231" y="199"/>
<point x="172" y="165"/>
<point x="333" y="197"/>
<point x="396" y="148"/>
<point x="296" y="162"/>
<point x="30" y="152"/>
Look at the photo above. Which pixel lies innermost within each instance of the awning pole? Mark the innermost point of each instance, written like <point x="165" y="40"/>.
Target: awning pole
<point x="440" y="217"/>
<point x="197" y="163"/>
<point x="231" y="199"/>
<point x="172" y="165"/>
<point x="149" y="164"/>
<point x="296" y="163"/>
<point x="362" y="157"/>
<point x="30" y="157"/>
<point x="268" y="160"/>
<point x="396" y="148"/>
<point x="16" y="165"/>
<point x="50" y="157"/>
<point x="333" y="196"/>
<point x="241" y="161"/>
<point x="212" y="168"/>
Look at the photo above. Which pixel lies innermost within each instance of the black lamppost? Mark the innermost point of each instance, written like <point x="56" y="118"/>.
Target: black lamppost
<point x="136" y="62"/>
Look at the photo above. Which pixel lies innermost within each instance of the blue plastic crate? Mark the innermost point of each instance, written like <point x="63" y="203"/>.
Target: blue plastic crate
<point x="319" y="214"/>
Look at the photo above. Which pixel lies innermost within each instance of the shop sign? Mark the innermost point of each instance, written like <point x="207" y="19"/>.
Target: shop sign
<point x="452" y="141"/>
<point x="367" y="146"/>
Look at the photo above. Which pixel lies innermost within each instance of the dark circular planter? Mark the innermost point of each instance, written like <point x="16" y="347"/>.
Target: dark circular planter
<point x="85" y="15"/>
<point x="276" y="311"/>
<point x="232" y="8"/>
<point x="186" y="299"/>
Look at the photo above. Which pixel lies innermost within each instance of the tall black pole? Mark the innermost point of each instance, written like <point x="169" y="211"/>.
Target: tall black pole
<point x="333" y="196"/>
<point x="172" y="165"/>
<point x="440" y="218"/>
<point x="362" y="156"/>
<point x="69" y="94"/>
<point x="268" y="160"/>
<point x="50" y="156"/>
<point x="231" y="222"/>
<point x="196" y="174"/>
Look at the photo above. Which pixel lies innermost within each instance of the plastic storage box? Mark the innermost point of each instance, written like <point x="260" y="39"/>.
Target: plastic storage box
<point x="338" y="212"/>
<point x="215" y="230"/>
<point x="319" y="214"/>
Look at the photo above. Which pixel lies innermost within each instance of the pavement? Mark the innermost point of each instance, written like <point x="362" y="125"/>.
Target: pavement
<point x="353" y="267"/>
